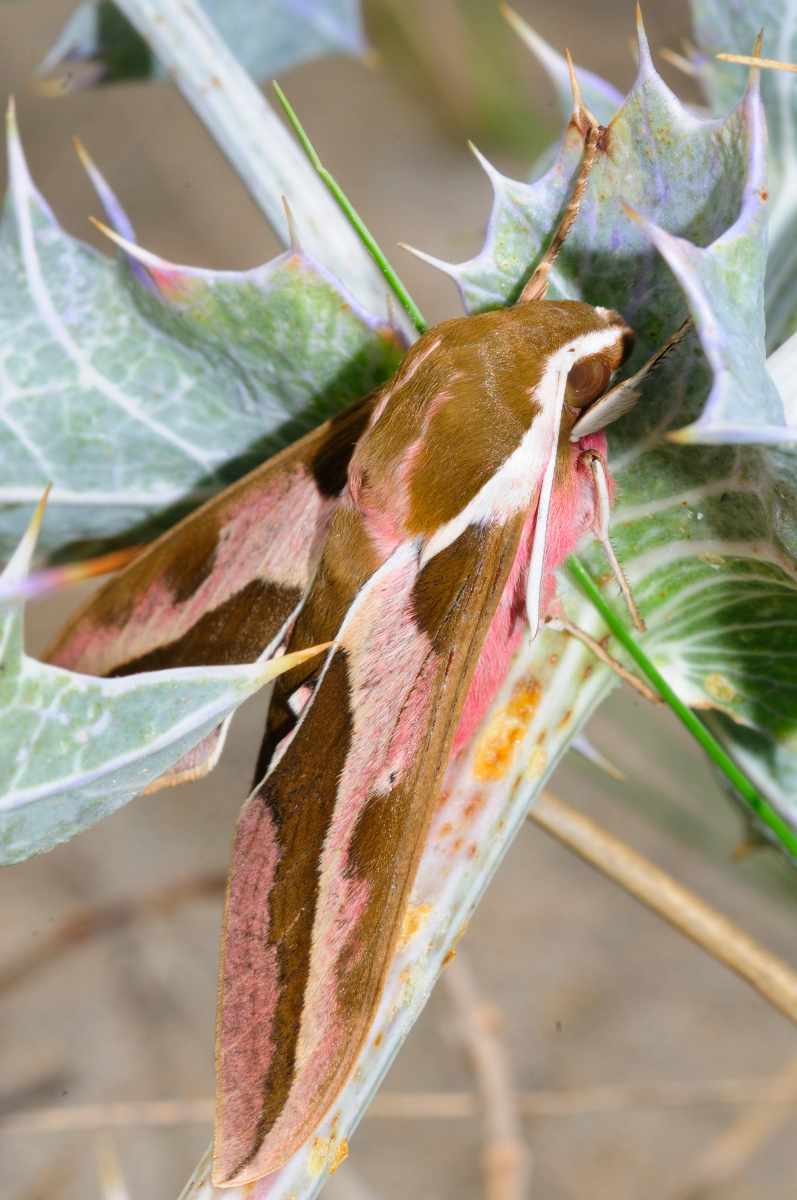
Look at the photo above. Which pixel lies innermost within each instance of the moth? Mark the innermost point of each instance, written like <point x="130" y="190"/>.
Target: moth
<point x="417" y="531"/>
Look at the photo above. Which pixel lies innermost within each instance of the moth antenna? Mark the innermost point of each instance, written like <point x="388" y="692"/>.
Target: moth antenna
<point x="537" y="561"/>
<point x="582" y="114"/>
<point x="598" y="650"/>
<point x="293" y="232"/>
<point x="537" y="285"/>
<point x="601" y="529"/>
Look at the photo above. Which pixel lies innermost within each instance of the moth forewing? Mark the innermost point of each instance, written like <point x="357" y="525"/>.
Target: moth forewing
<point x="327" y="846"/>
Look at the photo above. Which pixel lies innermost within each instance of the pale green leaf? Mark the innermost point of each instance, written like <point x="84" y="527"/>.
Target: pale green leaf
<point x="112" y="380"/>
<point x="725" y="26"/>
<point x="74" y="748"/>
<point x="99" y="44"/>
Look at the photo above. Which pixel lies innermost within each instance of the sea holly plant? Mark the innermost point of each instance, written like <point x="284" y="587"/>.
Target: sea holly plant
<point x="75" y="748"/>
<point x="673" y="222"/>
<point x="98" y="43"/>
<point x="113" y="374"/>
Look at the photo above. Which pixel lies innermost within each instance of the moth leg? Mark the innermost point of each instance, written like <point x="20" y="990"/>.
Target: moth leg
<point x="560" y="624"/>
<point x="537" y="285"/>
<point x="600" y="528"/>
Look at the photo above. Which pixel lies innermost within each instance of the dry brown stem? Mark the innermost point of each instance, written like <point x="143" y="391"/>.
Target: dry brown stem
<point x="506" y="1159"/>
<point x="739" y="1143"/>
<point x="773" y="978"/>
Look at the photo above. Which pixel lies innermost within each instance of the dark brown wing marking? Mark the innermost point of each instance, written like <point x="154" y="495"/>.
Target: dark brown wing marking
<point x="327" y="846"/>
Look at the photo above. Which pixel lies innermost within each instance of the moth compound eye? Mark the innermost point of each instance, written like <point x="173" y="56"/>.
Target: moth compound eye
<point x="586" y="381"/>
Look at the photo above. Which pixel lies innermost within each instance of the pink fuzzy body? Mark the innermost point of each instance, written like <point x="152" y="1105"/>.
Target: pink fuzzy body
<point x="571" y="516"/>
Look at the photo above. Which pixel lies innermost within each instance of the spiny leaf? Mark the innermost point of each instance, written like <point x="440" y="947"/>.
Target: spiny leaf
<point x="99" y="45"/>
<point x="134" y="392"/>
<point x="688" y="178"/>
<point x="723" y="26"/>
<point x="74" y="748"/>
<point x="708" y="536"/>
<point x="600" y="97"/>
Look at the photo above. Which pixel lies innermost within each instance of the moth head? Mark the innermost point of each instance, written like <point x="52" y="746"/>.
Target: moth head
<point x="590" y="375"/>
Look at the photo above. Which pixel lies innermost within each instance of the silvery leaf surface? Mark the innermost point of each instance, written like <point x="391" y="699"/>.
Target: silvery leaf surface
<point x="732" y="27"/>
<point x="707" y="534"/>
<point x="74" y="748"/>
<point x="267" y="36"/>
<point x="137" y="393"/>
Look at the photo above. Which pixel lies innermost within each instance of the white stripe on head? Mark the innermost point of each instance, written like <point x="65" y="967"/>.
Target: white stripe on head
<point x="512" y="488"/>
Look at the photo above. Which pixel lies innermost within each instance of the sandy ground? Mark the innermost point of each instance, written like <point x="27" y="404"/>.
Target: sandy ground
<point x="592" y="988"/>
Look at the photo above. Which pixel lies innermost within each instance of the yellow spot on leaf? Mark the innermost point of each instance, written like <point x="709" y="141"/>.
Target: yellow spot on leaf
<point x="538" y="761"/>
<point x="720" y="688"/>
<point x="341" y="1153"/>
<point x="501" y="740"/>
<point x="713" y="560"/>
<point x="415" y="918"/>
<point x="319" y="1154"/>
<point x="451" y="954"/>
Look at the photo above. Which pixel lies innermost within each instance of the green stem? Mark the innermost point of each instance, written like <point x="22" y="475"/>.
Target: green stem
<point x="692" y="723"/>
<point x="390" y="275"/>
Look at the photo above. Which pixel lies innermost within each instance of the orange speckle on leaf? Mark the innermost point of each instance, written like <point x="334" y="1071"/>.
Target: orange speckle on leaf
<point x="473" y="807"/>
<point x="500" y="741"/>
<point x="414" y="919"/>
<point x="451" y="954"/>
<point x="341" y="1153"/>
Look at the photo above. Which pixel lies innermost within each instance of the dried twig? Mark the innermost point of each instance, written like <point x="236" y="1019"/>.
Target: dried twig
<point x="774" y="979"/>
<point x="777" y="1091"/>
<point x="742" y="1140"/>
<point x="507" y="1161"/>
<point x="76" y="930"/>
<point x="749" y="60"/>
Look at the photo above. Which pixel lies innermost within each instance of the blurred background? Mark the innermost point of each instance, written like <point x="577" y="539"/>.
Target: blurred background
<point x="109" y="945"/>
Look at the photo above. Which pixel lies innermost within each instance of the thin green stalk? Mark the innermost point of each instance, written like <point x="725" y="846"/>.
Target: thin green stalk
<point x="384" y="266"/>
<point x="692" y="723"/>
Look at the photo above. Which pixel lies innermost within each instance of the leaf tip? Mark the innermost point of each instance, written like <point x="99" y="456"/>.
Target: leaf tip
<point x="645" y="60"/>
<point x="448" y="268"/>
<point x="18" y="565"/>
<point x="293" y="231"/>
